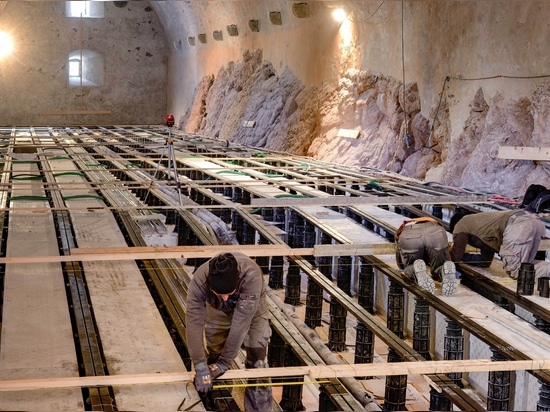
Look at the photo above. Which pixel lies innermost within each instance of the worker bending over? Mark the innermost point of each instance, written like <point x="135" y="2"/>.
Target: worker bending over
<point x="514" y="234"/>
<point x="226" y="304"/>
<point x="424" y="240"/>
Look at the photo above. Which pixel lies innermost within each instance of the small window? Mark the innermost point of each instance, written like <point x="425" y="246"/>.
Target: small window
<point x="88" y="9"/>
<point x="75" y="68"/>
<point x="85" y="68"/>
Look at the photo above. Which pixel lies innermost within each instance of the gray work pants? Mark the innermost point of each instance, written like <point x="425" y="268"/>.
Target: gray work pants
<point x="218" y="324"/>
<point x="423" y="240"/>
<point x="520" y="241"/>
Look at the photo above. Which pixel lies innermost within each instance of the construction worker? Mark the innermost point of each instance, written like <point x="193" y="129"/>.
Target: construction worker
<point x="424" y="240"/>
<point x="514" y="234"/>
<point x="226" y="305"/>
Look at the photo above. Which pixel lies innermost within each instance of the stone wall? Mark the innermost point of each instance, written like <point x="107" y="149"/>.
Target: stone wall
<point x="34" y="79"/>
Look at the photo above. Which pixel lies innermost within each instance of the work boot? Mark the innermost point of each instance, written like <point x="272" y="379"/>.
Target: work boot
<point x="449" y="283"/>
<point x="422" y="277"/>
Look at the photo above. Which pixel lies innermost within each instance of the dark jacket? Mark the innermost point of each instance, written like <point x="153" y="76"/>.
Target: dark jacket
<point x="482" y="230"/>
<point x="248" y="302"/>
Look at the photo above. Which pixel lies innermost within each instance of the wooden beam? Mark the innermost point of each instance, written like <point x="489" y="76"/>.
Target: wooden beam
<point x="313" y="372"/>
<point x="185" y="252"/>
<point x="524" y="153"/>
<point x="363" y="200"/>
<point x="74" y="112"/>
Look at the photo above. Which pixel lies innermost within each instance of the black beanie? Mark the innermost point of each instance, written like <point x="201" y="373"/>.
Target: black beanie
<point x="223" y="273"/>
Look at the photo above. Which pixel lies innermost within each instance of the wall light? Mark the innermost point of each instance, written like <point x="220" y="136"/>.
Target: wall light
<point x="339" y="15"/>
<point x="6" y="44"/>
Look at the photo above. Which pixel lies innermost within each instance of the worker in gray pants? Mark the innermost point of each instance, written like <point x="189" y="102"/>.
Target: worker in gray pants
<point x="424" y="240"/>
<point x="227" y="307"/>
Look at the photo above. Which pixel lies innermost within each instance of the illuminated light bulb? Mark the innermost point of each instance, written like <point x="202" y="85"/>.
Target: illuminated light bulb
<point x="339" y="15"/>
<point x="6" y="44"/>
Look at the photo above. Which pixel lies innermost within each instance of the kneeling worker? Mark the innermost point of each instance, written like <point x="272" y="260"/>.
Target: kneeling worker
<point x="226" y="304"/>
<point x="424" y="240"/>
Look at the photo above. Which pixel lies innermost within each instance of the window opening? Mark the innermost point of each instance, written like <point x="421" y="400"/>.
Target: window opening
<point x="87" y="9"/>
<point x="86" y="68"/>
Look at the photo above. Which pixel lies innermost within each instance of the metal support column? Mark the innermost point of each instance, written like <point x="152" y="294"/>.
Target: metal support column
<point x="498" y="391"/>
<point x="276" y="272"/>
<point x="325" y="262"/>
<point x="314" y="296"/>
<point x="236" y="218"/>
<point x="291" y="399"/>
<point x="293" y="283"/>
<point x="364" y="342"/>
<point x="337" y="329"/>
<point x="453" y="347"/>
<point x="421" y="328"/>
<point x="343" y="279"/>
<point x="396" y="386"/>
<point x="437" y="211"/>
<point x="439" y="402"/>
<point x="338" y="313"/>
<point x="543" y="403"/>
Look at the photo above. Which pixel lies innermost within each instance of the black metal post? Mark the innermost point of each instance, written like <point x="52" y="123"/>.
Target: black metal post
<point x="421" y="328"/>
<point x="439" y="402"/>
<point x="453" y="347"/>
<point x="498" y="391"/>
<point x="396" y="386"/>
<point x="364" y="341"/>
<point x="325" y="262"/>
<point x="293" y="283"/>
<point x="343" y="279"/>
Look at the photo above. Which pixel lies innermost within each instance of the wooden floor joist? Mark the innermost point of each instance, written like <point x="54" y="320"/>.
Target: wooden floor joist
<point x="313" y="372"/>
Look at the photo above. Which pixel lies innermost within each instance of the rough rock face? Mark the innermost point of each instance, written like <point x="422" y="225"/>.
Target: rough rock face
<point x="288" y="116"/>
<point x="249" y="103"/>
<point x="373" y="104"/>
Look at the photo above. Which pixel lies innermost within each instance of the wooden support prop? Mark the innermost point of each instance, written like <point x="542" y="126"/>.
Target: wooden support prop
<point x="350" y="201"/>
<point x="524" y="153"/>
<point x="313" y="372"/>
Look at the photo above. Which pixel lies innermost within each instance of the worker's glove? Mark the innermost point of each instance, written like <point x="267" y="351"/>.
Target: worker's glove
<point x="203" y="380"/>
<point x="217" y="370"/>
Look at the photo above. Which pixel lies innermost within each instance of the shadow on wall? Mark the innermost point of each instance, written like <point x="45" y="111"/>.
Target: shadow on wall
<point x="361" y="123"/>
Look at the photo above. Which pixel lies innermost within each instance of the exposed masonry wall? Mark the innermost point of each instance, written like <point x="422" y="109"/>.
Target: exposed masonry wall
<point x="34" y="79"/>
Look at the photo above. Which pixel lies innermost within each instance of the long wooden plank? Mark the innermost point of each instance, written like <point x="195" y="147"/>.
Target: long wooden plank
<point x="312" y="371"/>
<point x="74" y="112"/>
<point x="180" y="252"/>
<point x="524" y="153"/>
<point x="348" y="201"/>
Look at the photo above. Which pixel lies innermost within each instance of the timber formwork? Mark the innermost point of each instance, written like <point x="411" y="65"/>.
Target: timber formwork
<point x="337" y="224"/>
